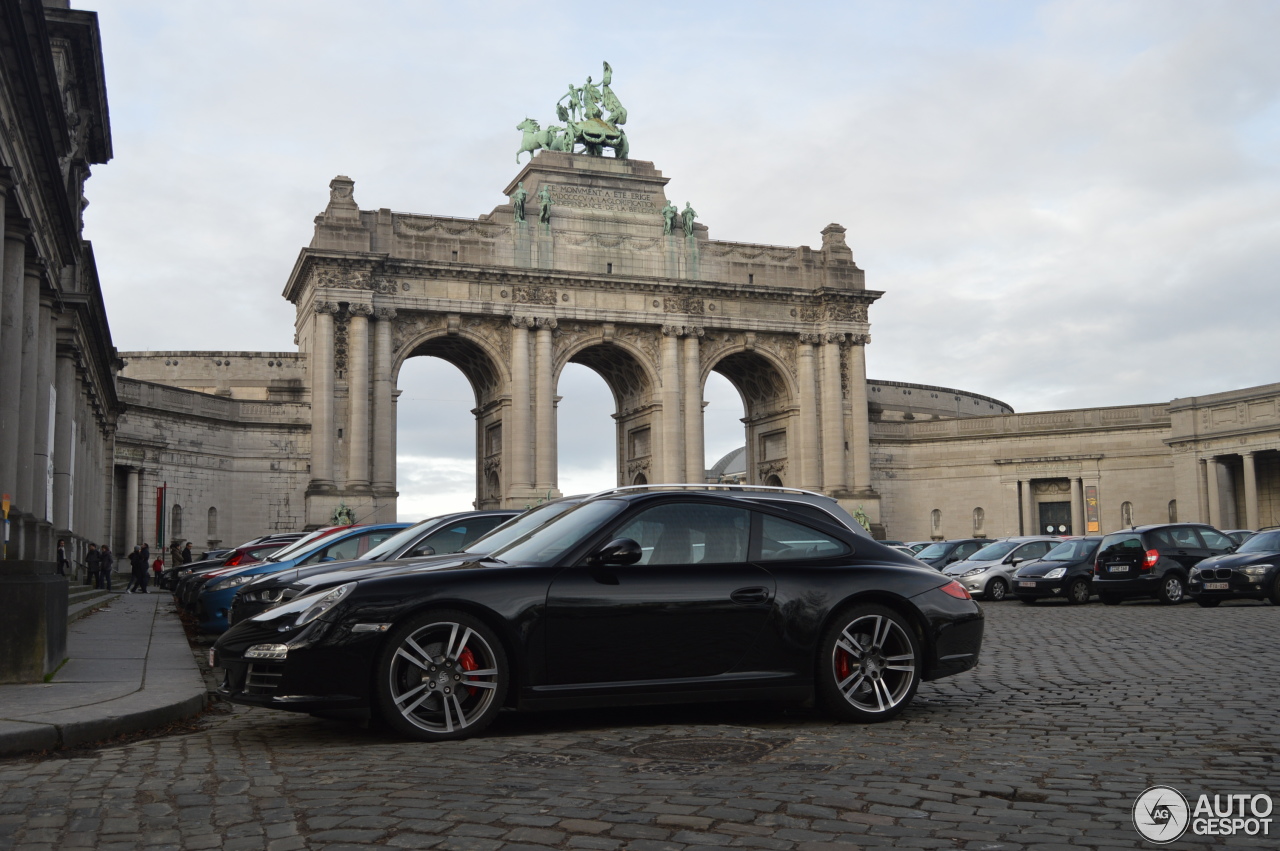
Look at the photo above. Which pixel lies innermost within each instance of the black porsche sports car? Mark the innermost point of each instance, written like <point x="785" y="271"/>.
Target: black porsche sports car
<point x="637" y="597"/>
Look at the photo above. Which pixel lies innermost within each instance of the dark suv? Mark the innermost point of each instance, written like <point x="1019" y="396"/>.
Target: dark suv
<point x="1154" y="561"/>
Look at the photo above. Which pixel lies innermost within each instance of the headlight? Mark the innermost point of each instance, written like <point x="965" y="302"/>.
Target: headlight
<point x="229" y="582"/>
<point x="1056" y="573"/>
<point x="1256" y="569"/>
<point x="975" y="571"/>
<point x="324" y="603"/>
<point x="1195" y="573"/>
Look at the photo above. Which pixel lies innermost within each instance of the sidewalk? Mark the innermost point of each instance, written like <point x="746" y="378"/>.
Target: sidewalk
<point x="129" y="668"/>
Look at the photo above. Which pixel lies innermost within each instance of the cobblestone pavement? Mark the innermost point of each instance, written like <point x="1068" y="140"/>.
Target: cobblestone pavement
<point x="1072" y="712"/>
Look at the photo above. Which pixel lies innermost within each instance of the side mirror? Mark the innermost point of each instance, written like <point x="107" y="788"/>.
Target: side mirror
<point x="424" y="550"/>
<point x="327" y="558"/>
<point x="1016" y="560"/>
<point x="617" y="553"/>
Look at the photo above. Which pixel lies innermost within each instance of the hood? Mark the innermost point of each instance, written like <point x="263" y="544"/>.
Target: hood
<point x="960" y="568"/>
<point x="1039" y="567"/>
<point x="1238" y="559"/>
<point x="355" y="572"/>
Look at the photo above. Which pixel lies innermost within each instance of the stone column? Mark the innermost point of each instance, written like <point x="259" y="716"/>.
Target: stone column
<point x="131" y="511"/>
<point x="64" y="441"/>
<point x="12" y="291"/>
<point x="43" y="468"/>
<point x="833" y="438"/>
<point x="1229" y="509"/>
<point x="322" y="433"/>
<point x="27" y="403"/>
<point x="1077" y="507"/>
<point x="810" y="478"/>
<point x="695" y="462"/>
<point x="1029" y="521"/>
<point x="860" y="428"/>
<point x="672" y="428"/>
<point x="384" y="421"/>
<point x="358" y="397"/>
<point x="520" y="443"/>
<point x="544" y="403"/>
<point x="1251" y="519"/>
<point x="1215" y="501"/>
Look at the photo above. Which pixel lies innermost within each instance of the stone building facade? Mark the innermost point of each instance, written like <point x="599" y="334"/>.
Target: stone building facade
<point x="58" y="399"/>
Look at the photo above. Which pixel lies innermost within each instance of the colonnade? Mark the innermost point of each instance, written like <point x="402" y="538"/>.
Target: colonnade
<point x="1220" y="509"/>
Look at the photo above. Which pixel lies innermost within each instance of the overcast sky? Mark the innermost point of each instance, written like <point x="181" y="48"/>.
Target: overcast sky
<point x="1065" y="203"/>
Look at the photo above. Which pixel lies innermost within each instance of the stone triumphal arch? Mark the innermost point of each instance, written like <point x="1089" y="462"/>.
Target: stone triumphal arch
<point x="599" y="277"/>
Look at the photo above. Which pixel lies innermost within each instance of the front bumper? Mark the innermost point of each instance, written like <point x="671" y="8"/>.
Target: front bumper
<point x="1036" y="587"/>
<point x="1146" y="585"/>
<point x="1238" y="586"/>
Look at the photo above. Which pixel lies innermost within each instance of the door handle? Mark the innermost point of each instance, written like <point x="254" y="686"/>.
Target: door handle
<point x="750" y="595"/>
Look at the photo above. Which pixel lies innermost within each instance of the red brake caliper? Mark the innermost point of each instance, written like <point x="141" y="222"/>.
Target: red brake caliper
<point x="468" y="662"/>
<point x="842" y="665"/>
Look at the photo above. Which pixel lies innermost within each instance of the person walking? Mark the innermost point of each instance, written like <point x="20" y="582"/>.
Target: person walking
<point x="138" y="567"/>
<point x="175" y="554"/>
<point x="106" y="565"/>
<point x="92" y="563"/>
<point x="62" y="558"/>
<point x="186" y="553"/>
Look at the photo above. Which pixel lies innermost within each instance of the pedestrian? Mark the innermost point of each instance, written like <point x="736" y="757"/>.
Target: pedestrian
<point x="106" y="565"/>
<point x="62" y="558"/>
<point x="157" y="567"/>
<point x="92" y="563"/>
<point x="186" y="553"/>
<point x="146" y="554"/>
<point x="138" y="567"/>
<point x="175" y="554"/>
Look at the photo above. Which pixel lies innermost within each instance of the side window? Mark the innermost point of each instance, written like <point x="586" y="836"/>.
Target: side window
<point x="1160" y="539"/>
<point x="447" y="540"/>
<point x="966" y="550"/>
<point x="1215" y="540"/>
<point x="689" y="533"/>
<point x="1185" y="537"/>
<point x="783" y="540"/>
<point x="373" y="539"/>
<point x="1035" y="550"/>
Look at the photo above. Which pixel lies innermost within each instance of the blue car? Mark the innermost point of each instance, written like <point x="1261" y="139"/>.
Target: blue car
<point x="216" y="598"/>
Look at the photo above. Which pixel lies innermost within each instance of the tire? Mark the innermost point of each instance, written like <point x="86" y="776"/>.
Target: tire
<point x="1109" y="599"/>
<point x="441" y="675"/>
<point x="1172" y="590"/>
<point x="869" y="664"/>
<point x="1207" y="604"/>
<point x="997" y="589"/>
<point x="1274" y="594"/>
<point x="1078" y="592"/>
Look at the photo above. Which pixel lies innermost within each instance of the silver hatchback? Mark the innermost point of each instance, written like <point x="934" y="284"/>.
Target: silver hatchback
<point x="988" y="573"/>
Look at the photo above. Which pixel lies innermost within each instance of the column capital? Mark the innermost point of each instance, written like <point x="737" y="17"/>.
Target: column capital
<point x="386" y="314"/>
<point x="365" y="310"/>
<point x="683" y="331"/>
<point x="834" y="338"/>
<point x="522" y="321"/>
<point x="546" y="323"/>
<point x="321" y="306"/>
<point x="810" y="339"/>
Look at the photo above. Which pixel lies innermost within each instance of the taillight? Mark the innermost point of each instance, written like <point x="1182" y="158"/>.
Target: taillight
<point x="1150" y="560"/>
<point x="233" y="561"/>
<point x="955" y="589"/>
<point x="1097" y="567"/>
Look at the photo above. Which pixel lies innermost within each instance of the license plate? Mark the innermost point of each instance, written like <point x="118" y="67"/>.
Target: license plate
<point x="1026" y="585"/>
<point x="1118" y="568"/>
<point x="1217" y="586"/>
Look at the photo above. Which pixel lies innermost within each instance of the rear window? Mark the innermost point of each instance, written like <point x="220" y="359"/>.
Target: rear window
<point x="1071" y="551"/>
<point x="933" y="551"/>
<point x="1121" y="545"/>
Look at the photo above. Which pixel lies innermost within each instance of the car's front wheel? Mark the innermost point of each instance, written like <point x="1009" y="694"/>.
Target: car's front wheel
<point x="869" y="665"/>
<point x="1171" y="590"/>
<point x="1078" y="593"/>
<point x="442" y="675"/>
<point x="1274" y="594"/>
<point x="997" y="589"/>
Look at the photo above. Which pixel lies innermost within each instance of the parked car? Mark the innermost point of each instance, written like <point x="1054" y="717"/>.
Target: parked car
<point x="1238" y="535"/>
<point x="1252" y="572"/>
<point x="448" y="533"/>
<point x="189" y="584"/>
<point x="917" y="546"/>
<point x="213" y="604"/>
<point x="656" y="596"/>
<point x="939" y="554"/>
<point x="1154" y="561"/>
<point x="243" y="554"/>
<point x="1064" y="571"/>
<point x="988" y="573"/>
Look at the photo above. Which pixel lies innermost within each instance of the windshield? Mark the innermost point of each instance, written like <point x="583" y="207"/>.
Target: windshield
<point x="303" y="543"/>
<point x="519" y="526"/>
<point x="933" y="551"/>
<point x="993" y="552"/>
<point x="1071" y="551"/>
<point x="548" y="542"/>
<point x="1263" y="542"/>
<point x="400" y="539"/>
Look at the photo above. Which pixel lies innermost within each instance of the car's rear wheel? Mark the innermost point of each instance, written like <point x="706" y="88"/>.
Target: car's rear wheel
<point x="1172" y="591"/>
<point x="1079" y="592"/>
<point x="869" y="664"/>
<point x="442" y="675"/>
<point x="1207" y="604"/>
<point x="997" y="589"/>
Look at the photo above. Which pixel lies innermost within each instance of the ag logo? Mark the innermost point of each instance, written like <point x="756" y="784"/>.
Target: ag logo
<point x="1161" y="814"/>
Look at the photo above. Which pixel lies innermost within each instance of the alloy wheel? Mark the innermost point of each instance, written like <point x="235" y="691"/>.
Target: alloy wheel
<point x="443" y="678"/>
<point x="874" y="665"/>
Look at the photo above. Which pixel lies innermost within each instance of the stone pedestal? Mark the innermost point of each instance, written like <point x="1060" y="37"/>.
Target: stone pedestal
<point x="33" y="620"/>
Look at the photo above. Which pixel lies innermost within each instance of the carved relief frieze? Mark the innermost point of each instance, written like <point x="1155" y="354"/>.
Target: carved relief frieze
<point x="781" y="345"/>
<point x="626" y="242"/>
<point x="846" y="312"/>
<point x="691" y="305"/>
<point x="533" y="295"/>
<point x="1049" y="488"/>
<point x="638" y="465"/>
<point x="407" y="327"/>
<point x="341" y="278"/>
<point x="769" y="468"/>
<point x="453" y="227"/>
<point x="645" y="339"/>
<point x="568" y="335"/>
<point x="340" y="342"/>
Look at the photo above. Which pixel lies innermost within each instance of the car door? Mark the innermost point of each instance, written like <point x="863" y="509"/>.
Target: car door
<point x="691" y="607"/>
<point x="1216" y="543"/>
<point x="1023" y="554"/>
<point x="455" y="536"/>
<point x="1187" y="547"/>
<point x="349" y="547"/>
